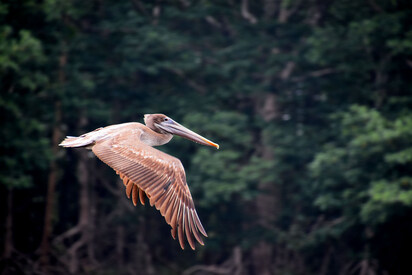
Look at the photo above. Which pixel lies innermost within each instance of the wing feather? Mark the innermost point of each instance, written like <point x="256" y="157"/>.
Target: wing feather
<point x="125" y="180"/>
<point x="146" y="171"/>
<point x="195" y="230"/>
<point x="166" y="204"/>
<point x="180" y="227"/>
<point x="135" y="194"/>
<point x="169" y="211"/>
<point x="142" y="196"/>
<point x="187" y="229"/>
<point x="129" y="188"/>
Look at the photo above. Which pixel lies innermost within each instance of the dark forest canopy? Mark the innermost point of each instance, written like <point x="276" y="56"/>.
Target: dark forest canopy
<point x="310" y="102"/>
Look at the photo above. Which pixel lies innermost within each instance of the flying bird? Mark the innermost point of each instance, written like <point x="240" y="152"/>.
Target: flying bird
<point x="148" y="172"/>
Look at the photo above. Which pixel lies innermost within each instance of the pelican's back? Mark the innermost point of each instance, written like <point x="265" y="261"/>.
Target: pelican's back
<point x="89" y="139"/>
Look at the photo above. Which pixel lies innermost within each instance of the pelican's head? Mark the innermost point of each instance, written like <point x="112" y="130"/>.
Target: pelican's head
<point x="163" y="124"/>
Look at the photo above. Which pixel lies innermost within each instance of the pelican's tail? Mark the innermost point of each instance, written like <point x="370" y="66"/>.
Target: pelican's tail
<point x="86" y="140"/>
<point x="76" y="142"/>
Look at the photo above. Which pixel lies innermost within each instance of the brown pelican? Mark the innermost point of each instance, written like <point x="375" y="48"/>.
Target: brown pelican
<point x="146" y="171"/>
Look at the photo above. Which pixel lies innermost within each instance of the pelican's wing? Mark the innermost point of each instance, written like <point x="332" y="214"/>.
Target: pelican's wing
<point x="161" y="177"/>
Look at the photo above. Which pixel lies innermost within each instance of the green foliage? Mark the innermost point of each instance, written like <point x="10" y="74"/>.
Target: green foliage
<point x="365" y="172"/>
<point x="17" y="58"/>
<point x="23" y="142"/>
<point x="228" y="173"/>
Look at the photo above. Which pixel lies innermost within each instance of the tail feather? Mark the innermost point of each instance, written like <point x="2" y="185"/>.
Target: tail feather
<point x="81" y="141"/>
<point x="86" y="140"/>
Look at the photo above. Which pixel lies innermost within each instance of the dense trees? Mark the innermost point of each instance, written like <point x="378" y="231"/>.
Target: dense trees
<point x="310" y="102"/>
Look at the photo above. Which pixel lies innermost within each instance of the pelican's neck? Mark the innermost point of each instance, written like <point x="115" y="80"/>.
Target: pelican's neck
<point x="153" y="138"/>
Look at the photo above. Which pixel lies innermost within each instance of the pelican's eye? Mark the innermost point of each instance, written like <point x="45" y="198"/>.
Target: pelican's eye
<point x="165" y="119"/>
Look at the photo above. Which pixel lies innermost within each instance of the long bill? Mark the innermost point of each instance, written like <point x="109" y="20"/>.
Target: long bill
<point x="176" y="129"/>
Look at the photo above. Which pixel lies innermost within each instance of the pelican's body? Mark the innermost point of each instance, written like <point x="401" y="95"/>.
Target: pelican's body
<point x="146" y="171"/>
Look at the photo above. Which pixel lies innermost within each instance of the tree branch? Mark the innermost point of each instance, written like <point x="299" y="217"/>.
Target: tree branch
<point x="244" y="9"/>
<point x="138" y="6"/>
<point x="317" y="73"/>
<point x="269" y="8"/>
<point x="207" y="268"/>
<point x="409" y="62"/>
<point x="232" y="266"/>
<point x="375" y="6"/>
<point x="212" y="21"/>
<point x="285" y="12"/>
<point x="287" y="71"/>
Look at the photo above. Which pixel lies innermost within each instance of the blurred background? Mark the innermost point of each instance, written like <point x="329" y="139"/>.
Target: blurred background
<point x="310" y="102"/>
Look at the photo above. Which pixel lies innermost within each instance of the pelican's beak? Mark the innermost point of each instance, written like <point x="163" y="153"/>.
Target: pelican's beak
<point x="175" y="128"/>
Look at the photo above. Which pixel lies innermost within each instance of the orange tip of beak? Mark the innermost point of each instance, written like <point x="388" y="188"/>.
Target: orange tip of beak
<point x="214" y="145"/>
<point x="210" y="143"/>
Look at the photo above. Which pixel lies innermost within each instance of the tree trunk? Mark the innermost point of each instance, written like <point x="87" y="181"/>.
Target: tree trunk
<point x="51" y="183"/>
<point x="143" y="255"/>
<point x="268" y="201"/>
<point x="83" y="176"/>
<point x="8" y="242"/>
<point x="120" y="245"/>
<point x="84" y="227"/>
<point x="269" y="8"/>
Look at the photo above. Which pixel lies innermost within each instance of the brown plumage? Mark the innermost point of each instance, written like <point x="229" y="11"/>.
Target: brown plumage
<point x="148" y="172"/>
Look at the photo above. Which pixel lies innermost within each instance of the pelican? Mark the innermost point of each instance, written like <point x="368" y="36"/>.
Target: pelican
<point x="148" y="172"/>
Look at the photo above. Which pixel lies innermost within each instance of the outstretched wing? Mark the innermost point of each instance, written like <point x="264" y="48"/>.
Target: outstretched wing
<point x="161" y="177"/>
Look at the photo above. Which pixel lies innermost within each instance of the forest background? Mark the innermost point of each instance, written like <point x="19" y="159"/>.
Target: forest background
<point x="310" y="102"/>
